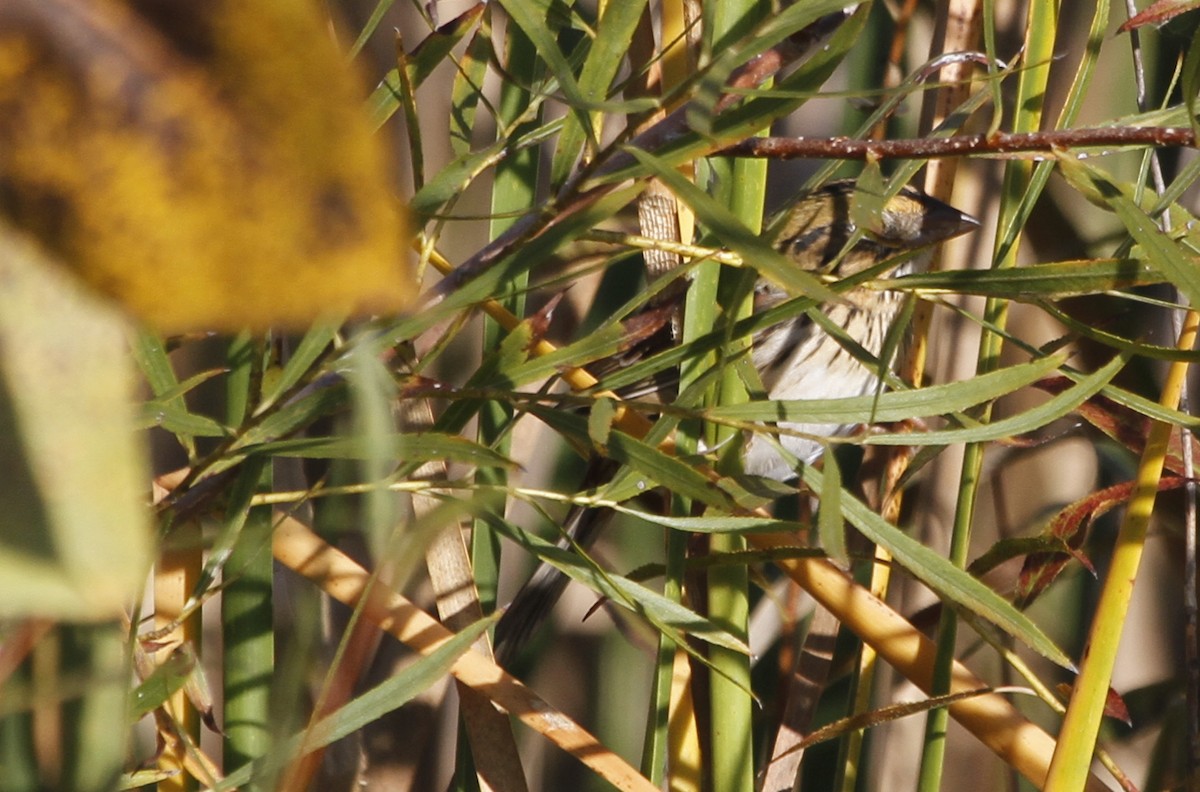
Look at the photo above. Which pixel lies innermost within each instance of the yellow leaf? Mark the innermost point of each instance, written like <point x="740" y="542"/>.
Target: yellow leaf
<point x="206" y="164"/>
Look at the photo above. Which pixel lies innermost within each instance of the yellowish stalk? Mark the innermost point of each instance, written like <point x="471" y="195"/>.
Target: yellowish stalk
<point x="1082" y="723"/>
<point x="175" y="579"/>
<point x="298" y="548"/>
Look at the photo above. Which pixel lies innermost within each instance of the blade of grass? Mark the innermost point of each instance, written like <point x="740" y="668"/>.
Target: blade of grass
<point x="604" y="58"/>
<point x="741" y="188"/>
<point x="151" y="356"/>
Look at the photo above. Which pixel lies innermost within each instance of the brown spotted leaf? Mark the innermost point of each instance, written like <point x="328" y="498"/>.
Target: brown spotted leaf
<point x="208" y="165"/>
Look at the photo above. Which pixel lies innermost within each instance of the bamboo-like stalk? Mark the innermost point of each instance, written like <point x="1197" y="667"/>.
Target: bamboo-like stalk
<point x="670" y="748"/>
<point x="1073" y="756"/>
<point x="298" y="548"/>
<point x="741" y="186"/>
<point x="175" y="579"/>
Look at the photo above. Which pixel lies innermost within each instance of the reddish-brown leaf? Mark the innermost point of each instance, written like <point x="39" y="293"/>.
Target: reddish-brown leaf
<point x="1070" y="527"/>
<point x="1159" y="13"/>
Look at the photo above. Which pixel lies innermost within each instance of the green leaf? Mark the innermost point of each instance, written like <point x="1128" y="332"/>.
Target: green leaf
<point x="604" y="58"/>
<point x="1027" y="421"/>
<point x="949" y="582"/>
<point x="398" y="690"/>
<point x="169" y="411"/>
<point x="830" y="525"/>
<point x="1037" y="281"/>
<point x="287" y="420"/>
<point x="381" y="8"/>
<point x="425" y="57"/>
<point x="1162" y="252"/>
<point x="299" y="365"/>
<point x="167" y="679"/>
<point x="600" y="421"/>
<point x="178" y="420"/>
<point x="894" y="405"/>
<point x="467" y="91"/>
<point x="654" y="467"/>
<point x="765" y="107"/>
<point x="151" y="356"/>
<point x="491" y="281"/>
<point x="801" y="84"/>
<point x="531" y="16"/>
<point x="1191" y="81"/>
<point x="1124" y="344"/>
<point x="710" y="524"/>
<point x="421" y="446"/>
<point x="665" y="614"/>
<point x="367" y="708"/>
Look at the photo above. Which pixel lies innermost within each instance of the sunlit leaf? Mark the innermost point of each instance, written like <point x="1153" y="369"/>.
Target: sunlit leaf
<point x="1049" y="281"/>
<point x="167" y="679"/>
<point x="830" y="525"/>
<point x="894" y="405"/>
<point x="1163" y="253"/>
<point x="371" y="705"/>
<point x="604" y="58"/>
<point x="1026" y="421"/>
<point x="468" y="87"/>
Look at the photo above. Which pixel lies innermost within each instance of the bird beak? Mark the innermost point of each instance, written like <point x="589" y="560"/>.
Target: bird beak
<point x="941" y="221"/>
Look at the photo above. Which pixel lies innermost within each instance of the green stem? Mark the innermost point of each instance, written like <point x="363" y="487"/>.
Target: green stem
<point x="741" y="184"/>
<point x="246" y="608"/>
<point x="655" y="749"/>
<point x="1031" y="89"/>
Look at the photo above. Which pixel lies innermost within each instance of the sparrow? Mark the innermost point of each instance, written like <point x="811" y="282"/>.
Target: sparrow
<point x="798" y="358"/>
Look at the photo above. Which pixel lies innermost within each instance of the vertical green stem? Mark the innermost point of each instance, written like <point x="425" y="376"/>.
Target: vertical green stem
<point x="729" y="584"/>
<point x="1039" y="50"/>
<point x="741" y="185"/>
<point x="246" y="608"/>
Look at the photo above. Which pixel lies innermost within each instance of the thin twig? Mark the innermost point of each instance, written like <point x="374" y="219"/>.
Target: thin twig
<point x="998" y="143"/>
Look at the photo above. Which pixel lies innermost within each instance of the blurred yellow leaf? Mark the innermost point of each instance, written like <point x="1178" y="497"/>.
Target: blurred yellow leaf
<point x="208" y="164"/>
<point x="74" y="528"/>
